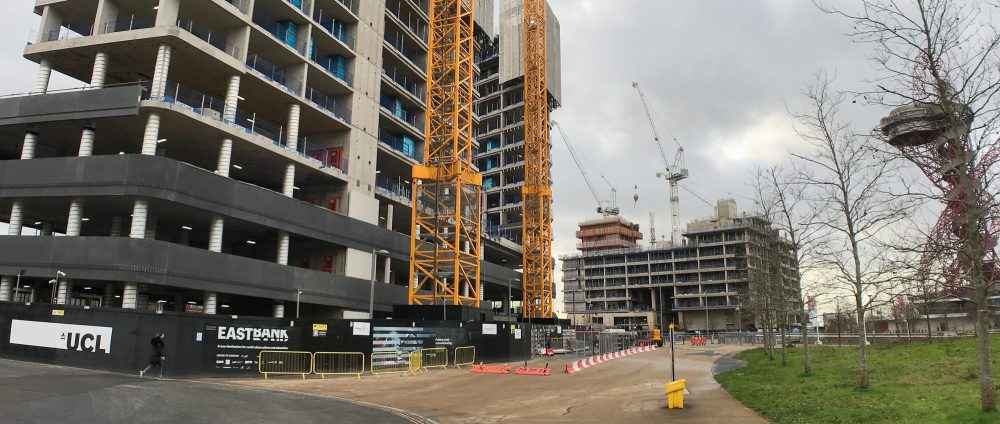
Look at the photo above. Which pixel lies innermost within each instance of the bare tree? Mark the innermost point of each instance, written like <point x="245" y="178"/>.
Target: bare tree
<point x="795" y="219"/>
<point x="941" y="56"/>
<point x="849" y="181"/>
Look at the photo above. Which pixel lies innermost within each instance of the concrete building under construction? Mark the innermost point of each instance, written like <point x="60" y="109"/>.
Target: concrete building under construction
<point x="702" y="283"/>
<point x="233" y="156"/>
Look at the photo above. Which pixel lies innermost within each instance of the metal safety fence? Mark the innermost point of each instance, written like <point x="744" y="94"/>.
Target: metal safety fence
<point x="284" y="362"/>
<point x="464" y="355"/>
<point x="354" y="363"/>
<point x="338" y="363"/>
<point x="434" y="358"/>
<point x="395" y="362"/>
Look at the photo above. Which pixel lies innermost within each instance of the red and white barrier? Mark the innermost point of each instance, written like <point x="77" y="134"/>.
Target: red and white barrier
<point x="590" y="361"/>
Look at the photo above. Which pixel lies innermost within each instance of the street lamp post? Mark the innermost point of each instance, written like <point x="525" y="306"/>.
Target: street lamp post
<point x="17" y="287"/>
<point x="55" y="285"/>
<point x="298" y="299"/>
<point x="371" y="286"/>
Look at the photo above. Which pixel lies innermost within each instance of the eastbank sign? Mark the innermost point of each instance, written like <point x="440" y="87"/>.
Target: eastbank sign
<point x="252" y="334"/>
<point x="54" y="335"/>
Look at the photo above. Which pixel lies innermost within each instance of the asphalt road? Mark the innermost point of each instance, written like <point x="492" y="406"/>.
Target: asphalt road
<point x="38" y="393"/>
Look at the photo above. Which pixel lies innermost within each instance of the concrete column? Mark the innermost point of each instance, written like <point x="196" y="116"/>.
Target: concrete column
<point x="388" y="216"/>
<point x="215" y="234"/>
<point x="64" y="292"/>
<point x="385" y="270"/>
<point x="43" y="76"/>
<point x="288" y="186"/>
<point x="211" y="300"/>
<point x="75" y="217"/>
<point x="16" y="218"/>
<point x="166" y="12"/>
<point x="279" y="310"/>
<point x="6" y="288"/>
<point x="107" y="11"/>
<point x="225" y="157"/>
<point x="109" y="295"/>
<point x="99" y="74"/>
<point x="283" y="241"/>
<point x="28" y="147"/>
<point x="232" y="98"/>
<point x="292" y="133"/>
<point x="139" y="213"/>
<point x="161" y="69"/>
<point x="151" y="134"/>
<point x="51" y="21"/>
<point x="87" y="142"/>
<point x="46" y="228"/>
<point x="130" y="296"/>
<point x="116" y="226"/>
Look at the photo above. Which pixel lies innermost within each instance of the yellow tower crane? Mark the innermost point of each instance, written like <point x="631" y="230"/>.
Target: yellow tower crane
<point x="444" y="249"/>
<point x="537" y="190"/>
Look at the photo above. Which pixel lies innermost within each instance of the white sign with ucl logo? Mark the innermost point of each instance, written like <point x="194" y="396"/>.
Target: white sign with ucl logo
<point x="55" y="335"/>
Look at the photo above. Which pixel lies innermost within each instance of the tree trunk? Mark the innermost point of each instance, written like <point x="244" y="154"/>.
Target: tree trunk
<point x="863" y="381"/>
<point x="784" y="344"/>
<point x="805" y="346"/>
<point x="987" y="392"/>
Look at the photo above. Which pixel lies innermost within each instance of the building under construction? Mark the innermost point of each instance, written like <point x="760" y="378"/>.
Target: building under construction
<point x="240" y="156"/>
<point x="703" y="283"/>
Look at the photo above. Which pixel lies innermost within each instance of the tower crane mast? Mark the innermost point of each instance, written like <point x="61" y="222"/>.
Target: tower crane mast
<point x="537" y="190"/>
<point x="445" y="246"/>
<point x="604" y="207"/>
<point x="673" y="173"/>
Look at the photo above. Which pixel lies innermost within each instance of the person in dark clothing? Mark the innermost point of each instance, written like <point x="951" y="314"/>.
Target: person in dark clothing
<point x="157" y="357"/>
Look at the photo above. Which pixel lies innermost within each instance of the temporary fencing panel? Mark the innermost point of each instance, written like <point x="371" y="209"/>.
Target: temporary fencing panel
<point x="395" y="362"/>
<point x="465" y="355"/>
<point x="339" y="363"/>
<point x="435" y="357"/>
<point x="284" y="362"/>
<point x="416" y="358"/>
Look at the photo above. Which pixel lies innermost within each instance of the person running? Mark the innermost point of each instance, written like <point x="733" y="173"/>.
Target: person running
<point x="156" y="358"/>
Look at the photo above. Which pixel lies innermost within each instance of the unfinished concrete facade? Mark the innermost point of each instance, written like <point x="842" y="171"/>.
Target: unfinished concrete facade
<point x="268" y="142"/>
<point x="701" y="283"/>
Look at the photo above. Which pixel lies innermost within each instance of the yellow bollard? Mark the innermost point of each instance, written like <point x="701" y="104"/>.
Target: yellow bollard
<point x="675" y="394"/>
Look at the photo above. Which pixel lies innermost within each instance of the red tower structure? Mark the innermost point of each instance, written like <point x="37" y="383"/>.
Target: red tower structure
<point x="937" y="141"/>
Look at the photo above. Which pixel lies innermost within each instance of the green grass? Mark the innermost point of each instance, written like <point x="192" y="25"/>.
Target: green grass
<point x="911" y="383"/>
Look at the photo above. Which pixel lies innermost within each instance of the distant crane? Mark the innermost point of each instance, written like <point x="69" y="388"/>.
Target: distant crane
<point x="604" y="207"/>
<point x="673" y="173"/>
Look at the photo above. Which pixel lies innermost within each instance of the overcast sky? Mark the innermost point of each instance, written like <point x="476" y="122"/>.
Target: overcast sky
<point x="719" y="74"/>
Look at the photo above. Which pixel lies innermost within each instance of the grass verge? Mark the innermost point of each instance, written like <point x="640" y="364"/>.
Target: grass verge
<point x="916" y="382"/>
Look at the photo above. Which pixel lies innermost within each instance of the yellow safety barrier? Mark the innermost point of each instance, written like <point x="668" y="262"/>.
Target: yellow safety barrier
<point x="416" y="359"/>
<point x="339" y="363"/>
<point x="465" y="355"/>
<point x="394" y="362"/>
<point x="675" y="394"/>
<point x="284" y="362"/>
<point x="434" y="358"/>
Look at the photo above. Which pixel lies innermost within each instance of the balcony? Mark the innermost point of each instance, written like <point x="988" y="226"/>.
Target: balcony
<point x="213" y="107"/>
<point x="398" y="189"/>
<point x="409" y="21"/>
<point x="409" y="55"/>
<point x="270" y="72"/>
<point x="409" y="84"/>
<point x="284" y="32"/>
<point x="336" y="28"/>
<point x="214" y="39"/>
<point x="329" y="104"/>
<point x="402" y="144"/>
<point x="131" y="23"/>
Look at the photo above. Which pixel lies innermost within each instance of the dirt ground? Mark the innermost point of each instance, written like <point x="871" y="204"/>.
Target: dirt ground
<point x="629" y="389"/>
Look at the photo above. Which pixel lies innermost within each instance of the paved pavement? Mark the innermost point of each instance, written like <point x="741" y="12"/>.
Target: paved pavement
<point x="38" y="393"/>
<point x="627" y="390"/>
